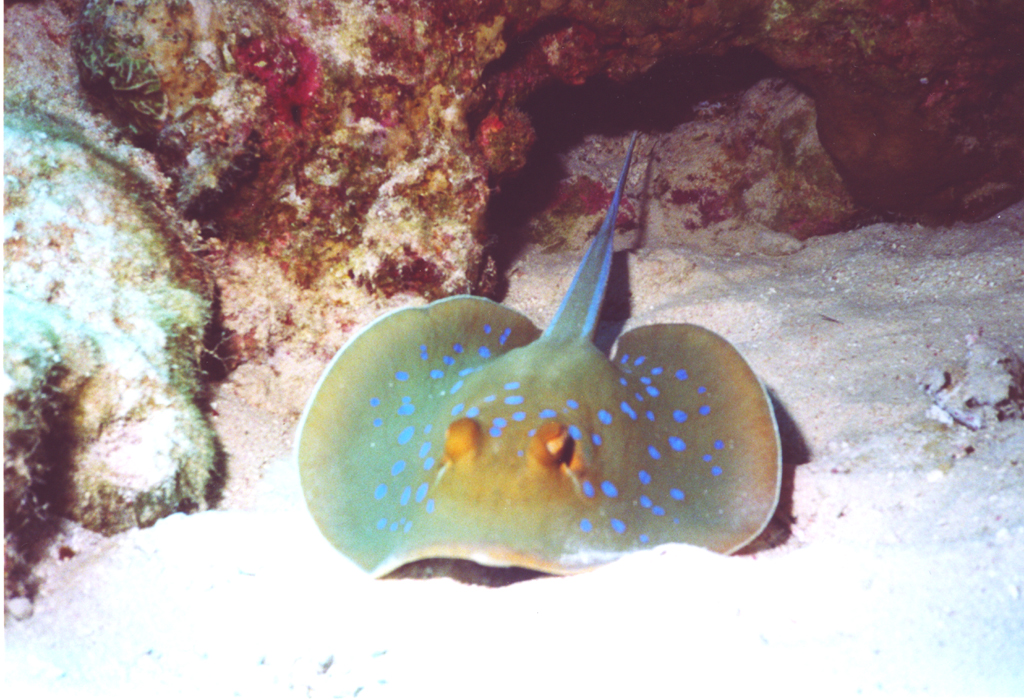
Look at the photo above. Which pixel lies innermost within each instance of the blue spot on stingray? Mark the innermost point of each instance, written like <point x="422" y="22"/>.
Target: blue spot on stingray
<point x="406" y="409"/>
<point x="514" y="400"/>
<point x="575" y="433"/>
<point x="645" y="380"/>
<point x="423" y="352"/>
<point x="500" y="422"/>
<point x="706" y="458"/>
<point x="406" y="435"/>
<point x="408" y="526"/>
<point x="488" y="399"/>
<point x="679" y="416"/>
<point x="622" y="381"/>
<point x="504" y="336"/>
<point x="457" y="409"/>
<point x="643" y="539"/>
<point x="716" y="470"/>
<point x="430" y="505"/>
<point x="436" y="374"/>
<point x="585" y="525"/>
<point x="375" y="401"/>
<point x="424" y="449"/>
<point x="588" y="489"/>
<point x="625" y="359"/>
<point x="644" y="477"/>
<point x="704" y="410"/>
<point x="406" y="495"/>
<point x="681" y="375"/>
<point x="377" y="422"/>
<point x="653" y="391"/>
<point x="604" y="417"/>
<point x="402" y="376"/>
<point x="519" y="415"/>
<point x="428" y="463"/>
<point x="639" y="361"/>
<point x="382" y="523"/>
<point x="495" y="432"/>
<point x="653" y="452"/>
<point x="719" y="444"/>
<point x="572" y="403"/>
<point x="511" y="386"/>
<point x="658" y="510"/>
<point x="467" y="371"/>
<point x="380" y="491"/>
<point x="618" y="525"/>
<point x="638" y="397"/>
<point x="657" y="370"/>
<point x="398" y="467"/>
<point x="628" y="410"/>
<point x="473" y="412"/>
<point x="394" y="527"/>
<point x="457" y="347"/>
<point x="456" y="386"/>
<point x="677" y="494"/>
<point x="448" y="360"/>
<point x="676" y="444"/>
<point x="548" y="413"/>
<point x="609" y="489"/>
<point x="645" y="502"/>
<point x="701" y="389"/>
<point x="596" y="439"/>
<point x="650" y="416"/>
<point x="427" y="427"/>
<point x="487" y="328"/>
<point x="484" y="351"/>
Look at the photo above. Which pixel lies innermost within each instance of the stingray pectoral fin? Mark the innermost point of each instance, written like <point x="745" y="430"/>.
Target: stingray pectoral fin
<point x="715" y="426"/>
<point x="371" y="442"/>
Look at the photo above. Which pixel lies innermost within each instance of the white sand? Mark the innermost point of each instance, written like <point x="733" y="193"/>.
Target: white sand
<point x="903" y="570"/>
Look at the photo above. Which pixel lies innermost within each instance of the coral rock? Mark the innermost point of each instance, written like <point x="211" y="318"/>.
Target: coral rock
<point x="104" y="315"/>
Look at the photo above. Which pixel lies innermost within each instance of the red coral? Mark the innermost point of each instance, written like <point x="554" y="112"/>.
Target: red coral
<point x="288" y="70"/>
<point x="587" y="197"/>
<point x="713" y="206"/>
<point x="504" y="140"/>
<point x="573" y="54"/>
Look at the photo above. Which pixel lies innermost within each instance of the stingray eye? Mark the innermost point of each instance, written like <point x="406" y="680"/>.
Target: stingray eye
<point x="461" y="439"/>
<point x="552" y="446"/>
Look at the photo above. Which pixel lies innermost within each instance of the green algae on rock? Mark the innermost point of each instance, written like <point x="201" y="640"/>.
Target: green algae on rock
<point x="105" y="313"/>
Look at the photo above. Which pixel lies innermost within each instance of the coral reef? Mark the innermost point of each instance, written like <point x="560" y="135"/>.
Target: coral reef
<point x="919" y="103"/>
<point x="754" y="159"/>
<point x="357" y="144"/>
<point x="105" y="310"/>
<point x="354" y="142"/>
<point x="747" y="158"/>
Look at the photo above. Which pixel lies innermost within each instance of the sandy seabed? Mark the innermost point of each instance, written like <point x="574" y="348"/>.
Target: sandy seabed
<point x="895" y="563"/>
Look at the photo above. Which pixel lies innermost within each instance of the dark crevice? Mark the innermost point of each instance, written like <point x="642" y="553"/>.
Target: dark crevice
<point x="563" y="115"/>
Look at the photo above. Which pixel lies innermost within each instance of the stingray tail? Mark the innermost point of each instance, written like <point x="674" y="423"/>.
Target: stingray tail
<point x="576" y="318"/>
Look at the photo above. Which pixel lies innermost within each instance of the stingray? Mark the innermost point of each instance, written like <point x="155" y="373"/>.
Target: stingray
<point x="460" y="430"/>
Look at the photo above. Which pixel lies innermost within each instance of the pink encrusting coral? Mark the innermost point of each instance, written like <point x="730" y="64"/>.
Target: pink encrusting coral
<point x="288" y="70"/>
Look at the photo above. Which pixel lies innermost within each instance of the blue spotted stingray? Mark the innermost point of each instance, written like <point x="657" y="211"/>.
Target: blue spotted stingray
<point x="460" y="430"/>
